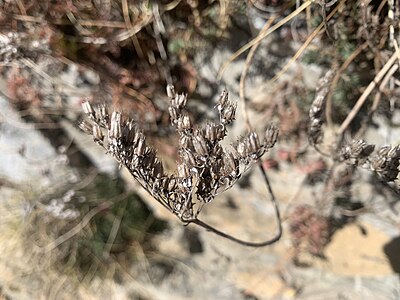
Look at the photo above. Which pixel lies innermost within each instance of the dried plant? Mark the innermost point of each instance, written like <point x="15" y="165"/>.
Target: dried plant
<point x="205" y="169"/>
<point x="385" y="163"/>
<point x="317" y="110"/>
<point x="357" y="152"/>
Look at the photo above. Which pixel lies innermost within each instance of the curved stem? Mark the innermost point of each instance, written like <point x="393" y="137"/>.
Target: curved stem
<point x="247" y="243"/>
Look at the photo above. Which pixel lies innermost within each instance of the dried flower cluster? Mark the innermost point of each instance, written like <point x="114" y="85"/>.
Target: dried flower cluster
<point x="204" y="170"/>
<point x="317" y="110"/>
<point x="385" y="162"/>
<point x="357" y="152"/>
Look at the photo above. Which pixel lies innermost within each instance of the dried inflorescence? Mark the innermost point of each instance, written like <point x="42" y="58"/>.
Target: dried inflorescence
<point x="204" y="169"/>
<point x="357" y="152"/>
<point x="317" y="110"/>
<point x="386" y="162"/>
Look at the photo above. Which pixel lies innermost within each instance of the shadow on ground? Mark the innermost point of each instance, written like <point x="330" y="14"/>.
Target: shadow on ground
<point x="392" y="251"/>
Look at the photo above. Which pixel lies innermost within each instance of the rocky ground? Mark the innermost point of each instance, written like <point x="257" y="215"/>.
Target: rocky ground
<point x="361" y="260"/>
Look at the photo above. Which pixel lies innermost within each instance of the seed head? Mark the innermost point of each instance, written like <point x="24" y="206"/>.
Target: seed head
<point x="115" y="126"/>
<point x="87" y="108"/>
<point x="200" y="145"/>
<point x="141" y="146"/>
<point x="271" y="135"/>
<point x="86" y="127"/>
<point x="223" y="99"/>
<point x="171" y="91"/>
<point x="228" y="114"/>
<point x="97" y="133"/>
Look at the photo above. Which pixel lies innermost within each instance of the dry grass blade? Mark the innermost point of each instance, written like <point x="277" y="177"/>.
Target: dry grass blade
<point x="85" y="221"/>
<point x="360" y="102"/>
<point x="377" y="99"/>
<point x="242" y="84"/>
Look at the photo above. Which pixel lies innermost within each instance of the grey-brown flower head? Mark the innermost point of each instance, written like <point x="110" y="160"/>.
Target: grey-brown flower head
<point x="230" y="164"/>
<point x="141" y="146"/>
<point x="86" y="127"/>
<point x="228" y="114"/>
<point x="357" y="152"/>
<point x="171" y="91"/>
<point x="183" y="170"/>
<point x="241" y="149"/>
<point x="223" y="99"/>
<point x="253" y="145"/>
<point x="179" y="101"/>
<point x="130" y="134"/>
<point x="115" y="126"/>
<point x="386" y="163"/>
<point x="317" y="109"/>
<point x="271" y="136"/>
<point x="188" y="158"/>
<point x="97" y="133"/>
<point x="88" y="109"/>
<point x="103" y="113"/>
<point x="204" y="169"/>
<point x="200" y="145"/>
<point x="184" y="123"/>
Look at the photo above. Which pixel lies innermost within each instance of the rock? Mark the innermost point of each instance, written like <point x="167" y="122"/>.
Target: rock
<point x="358" y="250"/>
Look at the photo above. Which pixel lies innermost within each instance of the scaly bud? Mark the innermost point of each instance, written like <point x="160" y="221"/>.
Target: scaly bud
<point x="115" y="126"/>
<point x="86" y="127"/>
<point x="170" y="91"/>
<point x="179" y="101"/>
<point x="183" y="170"/>
<point x="223" y="99"/>
<point x="103" y="112"/>
<point x="211" y="132"/>
<point x="97" y="133"/>
<point x="141" y="146"/>
<point x="271" y="135"/>
<point x="173" y="112"/>
<point x="200" y="145"/>
<point x="228" y="114"/>
<point x="87" y="108"/>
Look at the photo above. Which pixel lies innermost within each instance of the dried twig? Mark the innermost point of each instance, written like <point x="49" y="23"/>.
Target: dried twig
<point x="82" y="224"/>
<point x="242" y="84"/>
<point x="360" y="102"/>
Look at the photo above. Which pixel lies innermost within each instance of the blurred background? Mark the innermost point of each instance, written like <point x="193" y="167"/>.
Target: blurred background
<point x="73" y="225"/>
